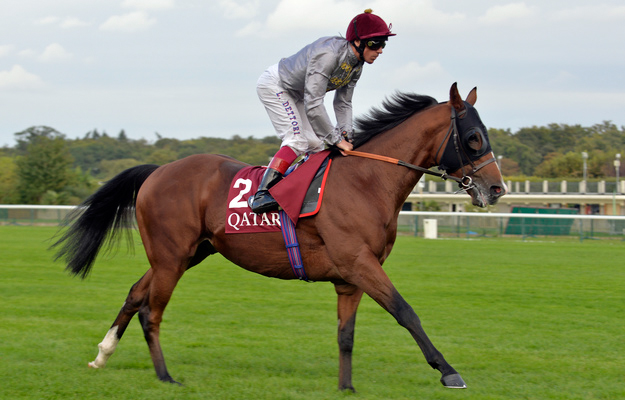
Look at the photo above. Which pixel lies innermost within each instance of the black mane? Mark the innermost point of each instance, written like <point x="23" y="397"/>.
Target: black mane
<point x="394" y="111"/>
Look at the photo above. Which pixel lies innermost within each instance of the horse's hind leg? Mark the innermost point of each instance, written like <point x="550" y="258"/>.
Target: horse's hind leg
<point x="135" y="298"/>
<point x="349" y="297"/>
<point x="151" y="314"/>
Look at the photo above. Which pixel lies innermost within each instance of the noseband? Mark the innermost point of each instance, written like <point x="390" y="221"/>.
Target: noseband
<point x="466" y="182"/>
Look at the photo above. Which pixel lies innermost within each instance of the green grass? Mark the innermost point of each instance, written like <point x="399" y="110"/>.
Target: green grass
<point x="518" y="319"/>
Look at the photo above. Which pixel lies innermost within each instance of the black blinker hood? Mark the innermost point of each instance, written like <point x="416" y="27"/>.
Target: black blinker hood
<point x="467" y="124"/>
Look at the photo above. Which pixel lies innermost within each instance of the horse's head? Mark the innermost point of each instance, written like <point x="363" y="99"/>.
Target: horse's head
<point x="467" y="153"/>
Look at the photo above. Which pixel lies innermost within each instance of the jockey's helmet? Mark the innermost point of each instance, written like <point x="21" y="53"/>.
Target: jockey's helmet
<point x="367" y="25"/>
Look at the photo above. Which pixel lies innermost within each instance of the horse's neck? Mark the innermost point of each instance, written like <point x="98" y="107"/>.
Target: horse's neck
<point x="415" y="141"/>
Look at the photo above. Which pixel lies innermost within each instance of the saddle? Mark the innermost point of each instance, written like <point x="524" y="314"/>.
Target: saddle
<point x="299" y="195"/>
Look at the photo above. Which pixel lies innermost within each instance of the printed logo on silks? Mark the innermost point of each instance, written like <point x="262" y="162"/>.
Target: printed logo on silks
<point x="239" y="216"/>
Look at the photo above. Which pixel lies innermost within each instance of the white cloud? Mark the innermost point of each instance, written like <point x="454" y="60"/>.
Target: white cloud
<point x="149" y="4"/>
<point x="71" y="22"/>
<point x="250" y="29"/>
<point x="47" y="20"/>
<point x="601" y="12"/>
<point x="410" y="15"/>
<point x="506" y="13"/>
<point x="55" y="53"/>
<point x="563" y="78"/>
<point x="27" y="53"/>
<point x="131" y="22"/>
<point x="67" y="22"/>
<point x="296" y="15"/>
<point x="5" y="49"/>
<point x="415" y="72"/>
<point x="19" y="78"/>
<point x="233" y="10"/>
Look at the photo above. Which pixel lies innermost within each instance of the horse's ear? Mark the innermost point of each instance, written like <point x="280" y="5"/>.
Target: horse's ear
<point x="472" y="97"/>
<point x="454" y="97"/>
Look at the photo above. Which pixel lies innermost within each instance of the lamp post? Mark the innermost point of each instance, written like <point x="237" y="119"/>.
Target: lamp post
<point x="617" y="167"/>
<point x="499" y="157"/>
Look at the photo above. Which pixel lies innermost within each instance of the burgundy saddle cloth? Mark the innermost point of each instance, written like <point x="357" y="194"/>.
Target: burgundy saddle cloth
<point x="299" y="194"/>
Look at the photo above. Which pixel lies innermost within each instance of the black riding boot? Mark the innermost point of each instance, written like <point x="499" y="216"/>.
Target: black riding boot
<point x="262" y="201"/>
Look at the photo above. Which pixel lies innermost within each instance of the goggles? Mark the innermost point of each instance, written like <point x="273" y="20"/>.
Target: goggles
<point x="376" y="44"/>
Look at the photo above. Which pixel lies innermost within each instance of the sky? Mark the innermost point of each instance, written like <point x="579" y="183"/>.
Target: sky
<point x="188" y="68"/>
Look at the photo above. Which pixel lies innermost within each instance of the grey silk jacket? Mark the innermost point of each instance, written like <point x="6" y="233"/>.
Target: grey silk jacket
<point x="324" y="65"/>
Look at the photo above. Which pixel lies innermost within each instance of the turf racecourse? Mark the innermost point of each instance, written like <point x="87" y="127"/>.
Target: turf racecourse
<point x="518" y="319"/>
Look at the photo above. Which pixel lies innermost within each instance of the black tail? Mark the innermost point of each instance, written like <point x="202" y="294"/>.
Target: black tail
<point x="99" y="219"/>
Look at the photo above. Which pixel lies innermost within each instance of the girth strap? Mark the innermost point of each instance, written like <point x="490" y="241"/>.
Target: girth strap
<point x="292" y="246"/>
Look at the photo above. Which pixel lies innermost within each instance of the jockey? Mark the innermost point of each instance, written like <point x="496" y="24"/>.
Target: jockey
<point x="293" y="91"/>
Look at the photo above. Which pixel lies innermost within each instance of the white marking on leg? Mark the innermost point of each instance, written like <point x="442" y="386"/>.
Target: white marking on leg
<point x="106" y="348"/>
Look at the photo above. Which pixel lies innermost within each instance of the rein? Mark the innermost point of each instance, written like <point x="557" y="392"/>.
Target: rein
<point x="465" y="183"/>
<point x="395" y="161"/>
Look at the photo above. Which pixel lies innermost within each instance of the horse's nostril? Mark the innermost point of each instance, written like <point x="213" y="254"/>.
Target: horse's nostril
<point x="496" y="191"/>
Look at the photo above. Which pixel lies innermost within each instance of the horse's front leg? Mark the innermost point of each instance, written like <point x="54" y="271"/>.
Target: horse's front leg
<point x="348" y="300"/>
<point x="407" y="318"/>
<point x="379" y="287"/>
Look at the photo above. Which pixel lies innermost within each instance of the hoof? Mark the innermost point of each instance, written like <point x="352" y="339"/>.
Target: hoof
<point x="453" y="381"/>
<point x="169" y="379"/>
<point x="92" y="365"/>
<point x="349" y="388"/>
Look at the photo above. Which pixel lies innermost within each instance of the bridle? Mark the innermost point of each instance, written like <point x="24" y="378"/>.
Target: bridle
<point x="460" y="154"/>
<point x="452" y="137"/>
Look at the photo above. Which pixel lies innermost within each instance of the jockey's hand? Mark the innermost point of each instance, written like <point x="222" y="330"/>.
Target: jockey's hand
<point x="344" y="145"/>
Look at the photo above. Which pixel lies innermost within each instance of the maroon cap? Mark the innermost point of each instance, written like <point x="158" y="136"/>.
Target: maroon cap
<point x="367" y="25"/>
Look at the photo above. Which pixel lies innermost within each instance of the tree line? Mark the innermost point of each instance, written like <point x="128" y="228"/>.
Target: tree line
<point x="45" y="167"/>
<point x="555" y="151"/>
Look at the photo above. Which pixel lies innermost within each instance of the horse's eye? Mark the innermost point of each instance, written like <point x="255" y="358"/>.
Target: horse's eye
<point x="474" y="140"/>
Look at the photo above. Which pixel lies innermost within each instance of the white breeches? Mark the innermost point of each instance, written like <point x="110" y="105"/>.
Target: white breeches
<point x="287" y="114"/>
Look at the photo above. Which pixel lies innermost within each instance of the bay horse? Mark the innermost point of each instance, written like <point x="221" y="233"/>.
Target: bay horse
<point x="180" y="210"/>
